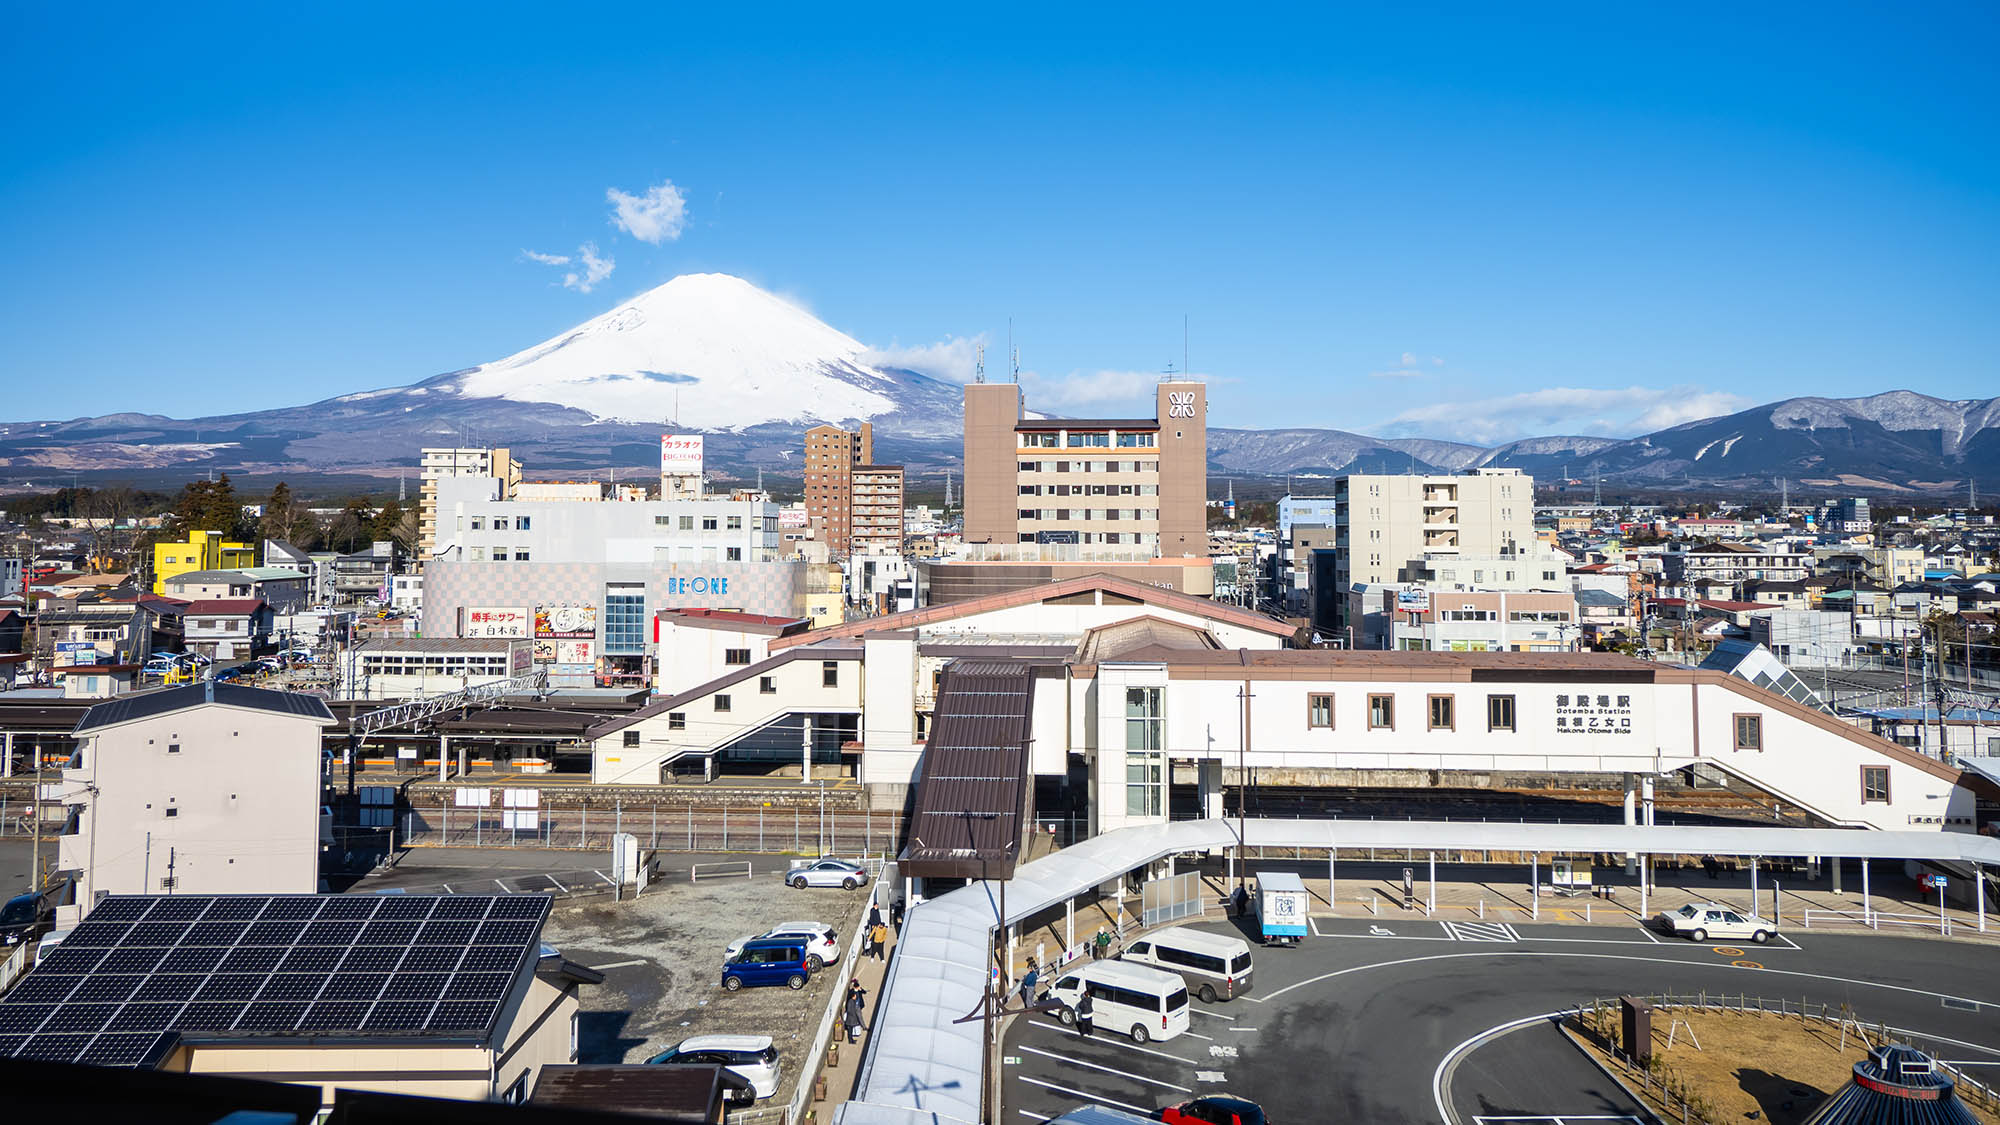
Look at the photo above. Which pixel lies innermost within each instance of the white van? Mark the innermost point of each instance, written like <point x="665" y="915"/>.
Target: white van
<point x="1214" y="966"/>
<point x="1144" y="1003"/>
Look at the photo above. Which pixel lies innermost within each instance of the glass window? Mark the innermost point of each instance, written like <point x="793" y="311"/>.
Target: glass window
<point x="624" y="625"/>
<point x="722" y="703"/>
<point x="1749" y="732"/>
<point x="1144" y="786"/>
<point x="631" y="738"/>
<point x="1875" y="784"/>
<point x="521" y="523"/>
<point x="736" y="656"/>
<point x="687" y="523"/>
<point x="829" y="673"/>
<point x="1319" y="710"/>
<point x="1499" y="712"/>
<point x="677" y="720"/>
<point x="708" y="523"/>
<point x="735" y="523"/>
<point x="1382" y="712"/>
<point x="767" y="685"/>
<point x="1143" y="722"/>
<point x="1442" y="716"/>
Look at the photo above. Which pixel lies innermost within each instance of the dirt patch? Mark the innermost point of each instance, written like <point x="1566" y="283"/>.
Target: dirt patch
<point x="662" y="958"/>
<point x="1750" y="1066"/>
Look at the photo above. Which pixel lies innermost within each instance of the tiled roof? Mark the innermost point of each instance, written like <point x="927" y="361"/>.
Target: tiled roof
<point x="162" y="701"/>
<point x="223" y="606"/>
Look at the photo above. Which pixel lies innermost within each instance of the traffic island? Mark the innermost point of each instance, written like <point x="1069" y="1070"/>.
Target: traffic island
<point x="1734" y="1059"/>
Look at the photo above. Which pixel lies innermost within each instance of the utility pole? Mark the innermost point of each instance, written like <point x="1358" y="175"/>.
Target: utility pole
<point x="35" y="814"/>
<point x="1243" y="697"/>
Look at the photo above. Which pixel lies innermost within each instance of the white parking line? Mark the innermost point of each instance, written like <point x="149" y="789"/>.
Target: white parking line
<point x="1106" y="1069"/>
<point x="616" y="965"/>
<point x="1033" y="1116"/>
<point x="1106" y="1035"/>
<point x="1209" y="1014"/>
<point x="1648" y="931"/>
<point x="1084" y="1096"/>
<point x="1197" y="1035"/>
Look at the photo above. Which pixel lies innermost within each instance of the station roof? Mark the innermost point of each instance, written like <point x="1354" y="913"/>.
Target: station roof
<point x="163" y="701"/>
<point x="923" y="1068"/>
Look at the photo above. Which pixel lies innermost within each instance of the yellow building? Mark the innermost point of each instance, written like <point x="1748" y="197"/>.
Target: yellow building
<point x="204" y="550"/>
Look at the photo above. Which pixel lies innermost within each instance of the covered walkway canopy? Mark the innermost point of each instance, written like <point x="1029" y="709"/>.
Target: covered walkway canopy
<point x="924" y="1069"/>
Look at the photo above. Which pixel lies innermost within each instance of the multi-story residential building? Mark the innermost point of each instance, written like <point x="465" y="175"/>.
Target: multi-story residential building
<point x="13" y="572"/>
<point x="875" y="510"/>
<point x="832" y="455"/>
<point x="1527" y="569"/>
<point x="204" y="789"/>
<point x="203" y="550"/>
<point x="1714" y="569"/>
<point x="93" y="649"/>
<point x="1434" y="619"/>
<point x="442" y="464"/>
<point x="1119" y="482"/>
<point x="1389" y="525"/>
<point x="365" y="574"/>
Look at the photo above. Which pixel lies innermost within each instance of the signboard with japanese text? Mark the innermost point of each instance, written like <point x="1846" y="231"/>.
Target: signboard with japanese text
<point x="680" y="454"/>
<point x="1413" y="601"/>
<point x="520" y="660"/>
<point x="492" y="621"/>
<point x="1594" y="713"/>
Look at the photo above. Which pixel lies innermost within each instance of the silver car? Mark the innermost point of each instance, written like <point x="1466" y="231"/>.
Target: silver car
<point x="828" y="873"/>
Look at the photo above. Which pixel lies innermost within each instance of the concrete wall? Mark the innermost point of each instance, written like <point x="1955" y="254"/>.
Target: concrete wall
<point x="991" y="411"/>
<point x="1183" y="468"/>
<point x="244" y="791"/>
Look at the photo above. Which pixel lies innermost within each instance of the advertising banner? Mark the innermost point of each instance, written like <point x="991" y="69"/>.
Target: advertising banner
<point x="496" y="621"/>
<point x="680" y="454"/>
<point x="1413" y="601"/>
<point x="566" y="621"/>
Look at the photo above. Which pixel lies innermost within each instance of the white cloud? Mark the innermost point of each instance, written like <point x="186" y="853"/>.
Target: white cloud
<point x="591" y="268"/>
<point x="1594" y="411"/>
<point x="952" y="359"/>
<point x="654" y="217"/>
<point x="595" y="269"/>
<point x="1399" y="373"/>
<point x="1409" y="359"/>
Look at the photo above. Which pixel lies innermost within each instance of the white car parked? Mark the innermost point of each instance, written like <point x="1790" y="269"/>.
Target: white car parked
<point x="1699" y="921"/>
<point x="822" y="942"/>
<point x="751" y="1057"/>
<point x="828" y="873"/>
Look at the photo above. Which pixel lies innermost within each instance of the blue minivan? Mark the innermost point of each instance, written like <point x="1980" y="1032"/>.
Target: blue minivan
<point x="768" y="961"/>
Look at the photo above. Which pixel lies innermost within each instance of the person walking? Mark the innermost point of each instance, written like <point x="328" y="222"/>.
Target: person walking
<point x="1029" y="982"/>
<point x="896" y="915"/>
<point x="1103" y="942"/>
<point x="874" y="914"/>
<point x="1085" y="1013"/>
<point x="878" y="940"/>
<point x="856" y="1002"/>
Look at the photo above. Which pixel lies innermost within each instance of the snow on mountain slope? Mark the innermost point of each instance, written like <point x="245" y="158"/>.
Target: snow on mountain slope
<point x="738" y="357"/>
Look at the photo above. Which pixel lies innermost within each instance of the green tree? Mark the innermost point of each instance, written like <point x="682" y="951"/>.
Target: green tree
<point x="205" y="505"/>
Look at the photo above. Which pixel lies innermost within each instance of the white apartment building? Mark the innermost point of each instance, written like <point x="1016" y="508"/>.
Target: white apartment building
<point x="1433" y="619"/>
<point x="445" y="464"/>
<point x="203" y="789"/>
<point x="477" y="523"/>
<point x="1717" y="569"/>
<point x="1387" y="525"/>
<point x="1531" y="568"/>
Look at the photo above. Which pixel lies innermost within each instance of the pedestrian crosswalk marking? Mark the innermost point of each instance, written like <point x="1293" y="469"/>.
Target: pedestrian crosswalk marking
<point x="1480" y="931"/>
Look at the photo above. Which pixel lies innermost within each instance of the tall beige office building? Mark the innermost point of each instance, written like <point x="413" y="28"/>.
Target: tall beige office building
<point x="1118" y="490"/>
<point x="1385" y="525"/>
<point x="440" y="463"/>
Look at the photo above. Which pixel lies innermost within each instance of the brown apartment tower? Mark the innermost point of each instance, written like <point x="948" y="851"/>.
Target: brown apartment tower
<point x="855" y="503"/>
<point x="1094" y="482"/>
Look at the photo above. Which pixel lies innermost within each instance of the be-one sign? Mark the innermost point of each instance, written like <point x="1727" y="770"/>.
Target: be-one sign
<point x="1180" y="404"/>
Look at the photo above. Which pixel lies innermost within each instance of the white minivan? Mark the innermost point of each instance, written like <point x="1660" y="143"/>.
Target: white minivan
<point x="1141" y="1002"/>
<point x="1214" y="966"/>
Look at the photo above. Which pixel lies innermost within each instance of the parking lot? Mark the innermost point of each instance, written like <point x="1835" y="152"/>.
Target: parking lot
<point x="1420" y="1020"/>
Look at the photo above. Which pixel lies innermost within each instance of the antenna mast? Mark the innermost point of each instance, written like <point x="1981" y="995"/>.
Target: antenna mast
<point x="947" y="489"/>
<point x="979" y="362"/>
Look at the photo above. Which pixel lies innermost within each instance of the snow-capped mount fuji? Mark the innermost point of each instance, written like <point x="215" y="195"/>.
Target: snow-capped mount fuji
<point x="707" y="352"/>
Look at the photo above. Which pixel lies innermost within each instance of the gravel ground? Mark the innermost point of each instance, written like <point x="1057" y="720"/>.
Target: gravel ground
<point x="662" y="956"/>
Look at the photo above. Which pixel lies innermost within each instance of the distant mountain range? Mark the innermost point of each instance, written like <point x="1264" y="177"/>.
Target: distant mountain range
<point x="714" y="354"/>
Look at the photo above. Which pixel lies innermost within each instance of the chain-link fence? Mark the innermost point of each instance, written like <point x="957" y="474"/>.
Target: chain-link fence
<point x="693" y="828"/>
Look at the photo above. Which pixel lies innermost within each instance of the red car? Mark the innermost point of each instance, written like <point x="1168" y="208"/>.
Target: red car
<point x="1215" y="1109"/>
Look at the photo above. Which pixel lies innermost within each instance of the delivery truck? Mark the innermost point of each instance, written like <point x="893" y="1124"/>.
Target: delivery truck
<point x="1280" y="902"/>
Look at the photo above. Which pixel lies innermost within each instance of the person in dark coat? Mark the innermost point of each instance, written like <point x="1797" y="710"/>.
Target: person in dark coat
<point x="856" y="1003"/>
<point x="896" y="915"/>
<point x="874" y="914"/>
<point x="1028" y="982"/>
<point x="1085" y="1013"/>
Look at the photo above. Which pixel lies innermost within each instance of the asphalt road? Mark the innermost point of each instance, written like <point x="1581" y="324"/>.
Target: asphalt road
<point x="1379" y="1022"/>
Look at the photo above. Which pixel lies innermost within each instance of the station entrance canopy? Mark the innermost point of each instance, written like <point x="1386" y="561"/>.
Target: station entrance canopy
<point x="922" y="1068"/>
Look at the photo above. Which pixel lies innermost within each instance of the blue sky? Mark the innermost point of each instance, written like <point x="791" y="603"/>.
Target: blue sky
<point x="1471" y="222"/>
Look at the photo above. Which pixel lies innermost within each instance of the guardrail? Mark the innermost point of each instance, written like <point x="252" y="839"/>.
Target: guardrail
<point x="14" y="967"/>
<point x="1875" y="920"/>
<point x="723" y="870"/>
<point x="809" y="1075"/>
<point x="694" y="828"/>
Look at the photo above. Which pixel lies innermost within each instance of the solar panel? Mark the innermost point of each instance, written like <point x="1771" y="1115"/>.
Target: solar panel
<point x="53" y="1048"/>
<point x="107" y="988"/>
<point x="124" y="1050"/>
<point x="168" y="986"/>
<point x="292" y="986"/>
<point x="271" y="1017"/>
<point x="144" y="1017"/>
<point x="142" y="970"/>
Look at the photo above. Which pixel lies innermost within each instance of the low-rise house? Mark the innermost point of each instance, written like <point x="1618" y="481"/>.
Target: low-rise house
<point x="285" y="591"/>
<point x="365" y="574"/>
<point x="205" y="788"/>
<point x="228" y="628"/>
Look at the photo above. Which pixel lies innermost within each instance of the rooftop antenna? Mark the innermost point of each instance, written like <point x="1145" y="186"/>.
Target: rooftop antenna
<point x="1596" y="488"/>
<point x="402" y="487"/>
<point x="947" y="489"/>
<point x="979" y="362"/>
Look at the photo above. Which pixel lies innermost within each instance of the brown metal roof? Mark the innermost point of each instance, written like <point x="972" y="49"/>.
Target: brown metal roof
<point x="1109" y="583"/>
<point x="686" y="1095"/>
<point x="971" y="799"/>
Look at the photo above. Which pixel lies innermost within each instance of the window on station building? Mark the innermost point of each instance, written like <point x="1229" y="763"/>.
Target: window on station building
<point x="1382" y="712"/>
<point x="1749" y="732"/>
<point x="1499" y="712"/>
<point x="1319" y="710"/>
<point x="1443" y="712"/>
<point x="1874" y="785"/>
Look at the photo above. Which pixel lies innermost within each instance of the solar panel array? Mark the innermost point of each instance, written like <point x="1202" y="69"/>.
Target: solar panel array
<point x="140" y="970"/>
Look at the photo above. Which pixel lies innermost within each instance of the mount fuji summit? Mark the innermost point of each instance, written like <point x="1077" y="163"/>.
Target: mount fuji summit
<point x="705" y="353"/>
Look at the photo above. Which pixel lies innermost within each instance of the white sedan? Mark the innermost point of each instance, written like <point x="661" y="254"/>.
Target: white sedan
<point x="822" y="943"/>
<point x="751" y="1057"/>
<point x="1699" y="921"/>
<point x="828" y="873"/>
